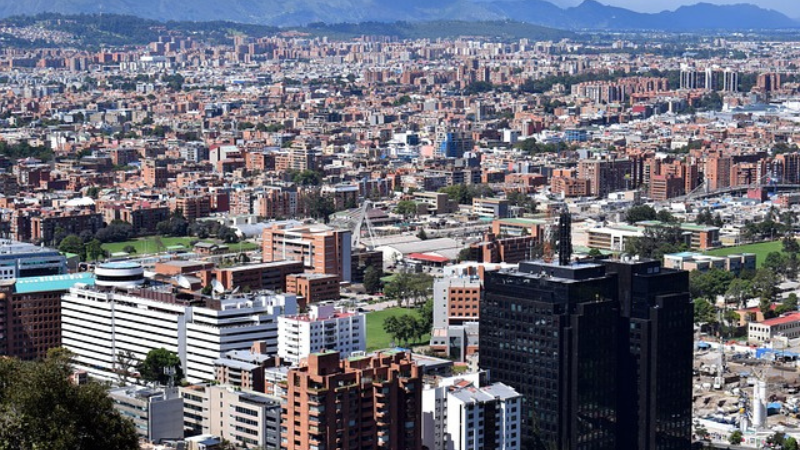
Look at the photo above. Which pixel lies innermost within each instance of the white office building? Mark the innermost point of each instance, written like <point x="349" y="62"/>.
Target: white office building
<point x="324" y="328"/>
<point x="458" y="414"/>
<point x="100" y="323"/>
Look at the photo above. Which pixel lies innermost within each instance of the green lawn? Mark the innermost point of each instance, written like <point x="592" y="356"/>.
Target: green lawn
<point x="376" y="337"/>
<point x="148" y="245"/>
<point x="762" y="249"/>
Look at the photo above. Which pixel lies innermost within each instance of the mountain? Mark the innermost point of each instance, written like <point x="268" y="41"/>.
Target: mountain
<point x="588" y="15"/>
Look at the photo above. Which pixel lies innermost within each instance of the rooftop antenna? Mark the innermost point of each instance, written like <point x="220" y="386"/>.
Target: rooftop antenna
<point x="564" y="238"/>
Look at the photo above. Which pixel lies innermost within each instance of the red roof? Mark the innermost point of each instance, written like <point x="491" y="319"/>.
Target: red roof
<point x="794" y="317"/>
<point x="428" y="257"/>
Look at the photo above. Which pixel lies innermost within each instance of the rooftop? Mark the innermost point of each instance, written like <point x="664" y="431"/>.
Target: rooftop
<point x="52" y="283"/>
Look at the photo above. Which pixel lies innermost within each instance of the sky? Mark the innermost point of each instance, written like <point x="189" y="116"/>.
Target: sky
<point x="789" y="7"/>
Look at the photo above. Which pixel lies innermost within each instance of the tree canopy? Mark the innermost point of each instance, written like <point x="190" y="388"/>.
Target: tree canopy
<point x="41" y="409"/>
<point x="158" y="359"/>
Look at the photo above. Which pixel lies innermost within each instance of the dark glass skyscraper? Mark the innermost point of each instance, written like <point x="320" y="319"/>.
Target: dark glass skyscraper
<point x="600" y="352"/>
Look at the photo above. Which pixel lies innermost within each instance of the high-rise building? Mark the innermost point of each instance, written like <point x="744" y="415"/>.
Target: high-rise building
<point x="325" y="327"/>
<point x="99" y="323"/>
<point x="452" y="143"/>
<point x="602" y="353"/>
<point x="655" y="355"/>
<point x="30" y="313"/>
<point x="460" y="414"/>
<point x="550" y="332"/>
<point x="361" y="402"/>
<point x="606" y="176"/>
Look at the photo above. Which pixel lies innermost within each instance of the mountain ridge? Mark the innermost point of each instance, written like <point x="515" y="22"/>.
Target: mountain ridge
<point x="588" y="15"/>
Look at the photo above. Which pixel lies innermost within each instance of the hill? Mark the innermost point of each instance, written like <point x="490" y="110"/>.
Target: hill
<point x="588" y="15"/>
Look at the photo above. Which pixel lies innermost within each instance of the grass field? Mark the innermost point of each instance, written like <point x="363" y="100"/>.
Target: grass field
<point x="761" y="250"/>
<point x="148" y="245"/>
<point x="376" y="337"/>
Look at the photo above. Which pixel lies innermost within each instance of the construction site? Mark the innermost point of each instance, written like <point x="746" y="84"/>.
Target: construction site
<point x="755" y="390"/>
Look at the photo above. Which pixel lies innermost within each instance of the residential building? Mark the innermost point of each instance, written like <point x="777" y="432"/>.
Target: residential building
<point x="244" y="368"/>
<point x="322" y="249"/>
<point x="495" y="208"/>
<point x="313" y="287"/>
<point x="259" y="276"/>
<point x="460" y="414"/>
<point x="43" y="227"/>
<point x="325" y="327"/>
<point x="244" y="418"/>
<point x="157" y="414"/>
<point x="358" y="402"/>
<point x="30" y="313"/>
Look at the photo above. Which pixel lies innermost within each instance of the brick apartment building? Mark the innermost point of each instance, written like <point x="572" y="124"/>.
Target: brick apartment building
<point x="359" y="402"/>
<point x="322" y="249"/>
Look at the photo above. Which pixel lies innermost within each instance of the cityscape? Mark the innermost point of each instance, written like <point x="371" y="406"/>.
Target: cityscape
<point x="444" y="225"/>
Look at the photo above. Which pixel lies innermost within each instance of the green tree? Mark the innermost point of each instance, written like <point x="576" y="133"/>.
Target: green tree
<point x="94" y="250"/>
<point x="406" y="208"/>
<point x="158" y="359"/>
<point x="41" y="409"/>
<point x="307" y="178"/>
<point x="776" y="262"/>
<point x="129" y="249"/>
<point x="790" y="244"/>
<point x="704" y="311"/>
<point x="372" y="279"/>
<point x="640" y="213"/>
<point x="709" y="284"/>
<point x="465" y="254"/>
<point x="765" y="284"/>
<point x="790" y="443"/>
<point x="735" y="438"/>
<point x="739" y="290"/>
<point x="656" y="241"/>
<point x="595" y="253"/>
<point x="788" y="305"/>
<point x="72" y="244"/>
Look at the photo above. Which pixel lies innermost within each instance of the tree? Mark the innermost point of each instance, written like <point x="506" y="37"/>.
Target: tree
<point x="704" y="311"/>
<point x="227" y="235"/>
<point x="158" y="359"/>
<point x="788" y="305"/>
<point x="115" y="232"/>
<point x="765" y="284"/>
<point x="790" y="443"/>
<point x="372" y="279"/>
<point x="406" y="208"/>
<point x="125" y="362"/>
<point x="94" y="250"/>
<point x="657" y="241"/>
<point x="129" y="249"/>
<point x="72" y="244"/>
<point x="307" y="178"/>
<point x="735" y="438"/>
<point x="595" y="253"/>
<point x="739" y="290"/>
<point x="709" y="284"/>
<point x="465" y="254"/>
<point x="40" y="408"/>
<point x="775" y="262"/>
<point x="790" y="245"/>
<point x="640" y="213"/>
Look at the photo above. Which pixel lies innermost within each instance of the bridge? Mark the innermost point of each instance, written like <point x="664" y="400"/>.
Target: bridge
<point x="702" y="191"/>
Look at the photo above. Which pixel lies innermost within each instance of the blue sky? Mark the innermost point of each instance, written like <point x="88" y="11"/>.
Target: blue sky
<point x="788" y="7"/>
